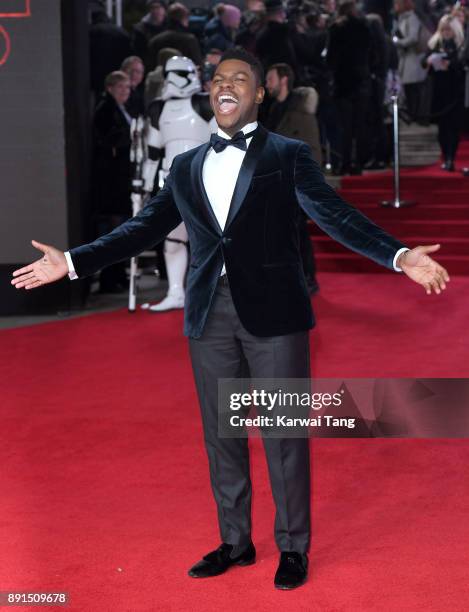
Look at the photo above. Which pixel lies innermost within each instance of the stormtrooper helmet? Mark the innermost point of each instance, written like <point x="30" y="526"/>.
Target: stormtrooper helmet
<point x="181" y="78"/>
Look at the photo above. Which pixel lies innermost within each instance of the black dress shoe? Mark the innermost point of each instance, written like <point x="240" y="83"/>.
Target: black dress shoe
<point x="292" y="570"/>
<point x="219" y="560"/>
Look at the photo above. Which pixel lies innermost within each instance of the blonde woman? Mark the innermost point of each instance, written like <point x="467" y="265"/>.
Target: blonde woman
<point x="446" y="71"/>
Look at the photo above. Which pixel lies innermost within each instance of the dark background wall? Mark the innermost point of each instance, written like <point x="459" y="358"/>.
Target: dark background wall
<point x="44" y="119"/>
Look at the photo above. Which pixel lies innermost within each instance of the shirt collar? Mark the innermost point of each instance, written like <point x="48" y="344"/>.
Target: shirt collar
<point x="249" y="127"/>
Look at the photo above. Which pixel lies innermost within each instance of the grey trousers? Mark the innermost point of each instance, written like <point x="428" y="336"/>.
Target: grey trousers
<point x="223" y="351"/>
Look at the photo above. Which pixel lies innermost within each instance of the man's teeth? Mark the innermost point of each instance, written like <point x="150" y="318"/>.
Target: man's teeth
<point x="227" y="98"/>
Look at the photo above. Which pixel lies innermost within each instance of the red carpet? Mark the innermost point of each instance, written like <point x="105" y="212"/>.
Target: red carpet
<point x="104" y="480"/>
<point x="440" y="215"/>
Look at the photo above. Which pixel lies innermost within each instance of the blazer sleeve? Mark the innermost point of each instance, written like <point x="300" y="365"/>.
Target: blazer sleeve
<point x="336" y="217"/>
<point x="152" y="224"/>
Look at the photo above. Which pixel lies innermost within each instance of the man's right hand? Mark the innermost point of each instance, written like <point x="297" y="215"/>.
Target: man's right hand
<point x="51" y="267"/>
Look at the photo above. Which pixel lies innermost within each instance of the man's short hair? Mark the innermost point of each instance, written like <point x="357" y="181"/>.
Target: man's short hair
<point x="177" y="12"/>
<point x="132" y="59"/>
<point x="238" y="53"/>
<point x="115" y="77"/>
<point x="284" y="70"/>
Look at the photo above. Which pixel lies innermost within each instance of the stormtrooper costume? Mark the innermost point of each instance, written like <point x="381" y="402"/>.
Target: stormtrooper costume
<point x="179" y="120"/>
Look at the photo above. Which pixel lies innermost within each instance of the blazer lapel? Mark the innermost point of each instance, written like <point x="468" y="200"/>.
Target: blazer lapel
<point x="197" y="183"/>
<point x="246" y="172"/>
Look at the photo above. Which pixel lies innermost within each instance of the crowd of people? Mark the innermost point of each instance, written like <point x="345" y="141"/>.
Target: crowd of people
<point x="331" y="67"/>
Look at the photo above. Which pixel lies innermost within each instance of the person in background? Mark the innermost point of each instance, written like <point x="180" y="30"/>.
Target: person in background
<point x="220" y="31"/>
<point x="211" y="61"/>
<point x="133" y="67"/>
<point x="251" y="23"/>
<point x="303" y="39"/>
<point x="446" y="71"/>
<point x="111" y="169"/>
<point x="109" y="46"/>
<point x="380" y="62"/>
<point x="273" y="43"/>
<point x="153" y="23"/>
<point x="348" y="56"/>
<point x="293" y="114"/>
<point x="411" y="70"/>
<point x="320" y="74"/>
<point x="176" y="35"/>
<point x="293" y="110"/>
<point x="383" y="8"/>
<point x="329" y="8"/>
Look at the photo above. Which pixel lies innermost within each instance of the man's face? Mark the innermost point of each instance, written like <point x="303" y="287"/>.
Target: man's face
<point x="120" y="91"/>
<point x="136" y="72"/>
<point x="272" y="83"/>
<point x="157" y="13"/>
<point x="235" y="95"/>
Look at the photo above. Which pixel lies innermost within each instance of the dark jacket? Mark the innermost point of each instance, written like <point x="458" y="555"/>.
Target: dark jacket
<point x="274" y="45"/>
<point x="142" y="33"/>
<point x="447" y="85"/>
<point x="135" y="105"/>
<point x="109" y="46"/>
<point x="349" y="54"/>
<point x="305" y="47"/>
<point x="110" y="172"/>
<point x="259" y="244"/>
<point x="176" y="37"/>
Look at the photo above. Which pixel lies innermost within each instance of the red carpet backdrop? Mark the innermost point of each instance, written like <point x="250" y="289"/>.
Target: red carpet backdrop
<point x="104" y="476"/>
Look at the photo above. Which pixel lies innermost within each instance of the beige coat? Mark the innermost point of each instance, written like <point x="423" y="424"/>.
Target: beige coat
<point x="410" y="57"/>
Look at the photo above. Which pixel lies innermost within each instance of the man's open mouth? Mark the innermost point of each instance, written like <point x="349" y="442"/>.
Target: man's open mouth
<point x="227" y="103"/>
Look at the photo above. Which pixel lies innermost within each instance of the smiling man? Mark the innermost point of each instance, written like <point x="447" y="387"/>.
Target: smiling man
<point x="246" y="302"/>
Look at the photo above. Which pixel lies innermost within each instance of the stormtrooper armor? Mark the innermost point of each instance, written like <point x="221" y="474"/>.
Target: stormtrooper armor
<point x="179" y="120"/>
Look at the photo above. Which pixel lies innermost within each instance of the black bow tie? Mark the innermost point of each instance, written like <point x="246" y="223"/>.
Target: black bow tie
<point x="239" y="141"/>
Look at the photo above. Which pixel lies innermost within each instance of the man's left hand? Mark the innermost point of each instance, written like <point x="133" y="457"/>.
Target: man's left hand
<point x="424" y="270"/>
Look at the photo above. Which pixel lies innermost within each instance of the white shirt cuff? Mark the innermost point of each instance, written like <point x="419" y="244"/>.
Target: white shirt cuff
<point x="396" y="257"/>
<point x="72" y="275"/>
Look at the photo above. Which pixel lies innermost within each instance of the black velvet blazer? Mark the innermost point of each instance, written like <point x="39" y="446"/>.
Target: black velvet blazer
<point x="259" y="243"/>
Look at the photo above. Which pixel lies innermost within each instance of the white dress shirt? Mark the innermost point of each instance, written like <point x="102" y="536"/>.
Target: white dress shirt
<point x="219" y="175"/>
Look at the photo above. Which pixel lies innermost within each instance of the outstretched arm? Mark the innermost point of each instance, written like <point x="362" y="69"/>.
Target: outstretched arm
<point x="354" y="230"/>
<point x="159" y="217"/>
